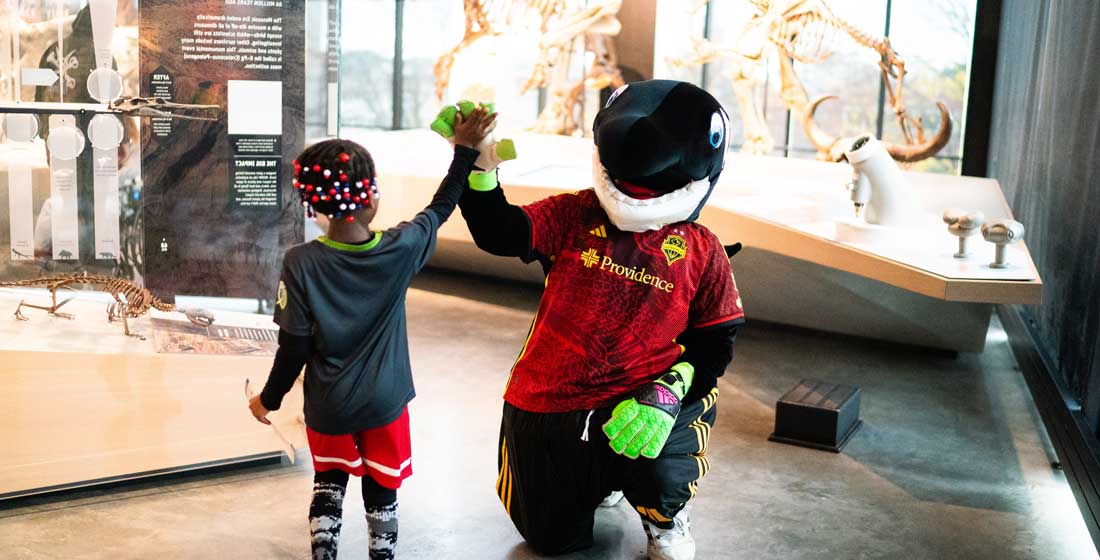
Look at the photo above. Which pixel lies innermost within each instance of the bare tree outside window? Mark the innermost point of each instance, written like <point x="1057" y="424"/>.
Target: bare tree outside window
<point x="366" y="64"/>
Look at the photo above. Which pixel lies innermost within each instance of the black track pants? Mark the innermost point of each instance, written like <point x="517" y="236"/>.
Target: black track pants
<point x="555" y="469"/>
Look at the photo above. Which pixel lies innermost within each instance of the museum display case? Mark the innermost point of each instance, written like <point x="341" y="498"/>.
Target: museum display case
<point x="141" y="152"/>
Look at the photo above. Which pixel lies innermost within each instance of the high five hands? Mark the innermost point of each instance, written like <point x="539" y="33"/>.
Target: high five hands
<point x="471" y="131"/>
<point x="465" y="114"/>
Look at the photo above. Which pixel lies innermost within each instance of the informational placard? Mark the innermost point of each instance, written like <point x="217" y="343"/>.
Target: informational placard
<point x="104" y="13"/>
<point x="107" y="211"/>
<point x="21" y="211"/>
<point x="162" y="85"/>
<point x="216" y="219"/>
<point x="6" y="83"/>
<point x="255" y="173"/>
<point x="333" y="67"/>
<point x="64" y="202"/>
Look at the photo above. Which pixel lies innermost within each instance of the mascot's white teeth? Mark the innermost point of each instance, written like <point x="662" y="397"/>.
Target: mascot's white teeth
<point x="636" y="214"/>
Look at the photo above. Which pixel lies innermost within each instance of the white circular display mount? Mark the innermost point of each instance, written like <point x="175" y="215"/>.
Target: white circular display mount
<point x="105" y="132"/>
<point x="65" y="142"/>
<point x="20" y="128"/>
<point x="105" y="85"/>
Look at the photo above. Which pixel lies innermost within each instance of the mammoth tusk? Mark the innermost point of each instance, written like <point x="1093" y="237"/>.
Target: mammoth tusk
<point x="826" y="144"/>
<point x="917" y="152"/>
<point x="831" y="147"/>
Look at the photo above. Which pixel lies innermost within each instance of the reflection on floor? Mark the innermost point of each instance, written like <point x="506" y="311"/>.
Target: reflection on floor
<point x="951" y="463"/>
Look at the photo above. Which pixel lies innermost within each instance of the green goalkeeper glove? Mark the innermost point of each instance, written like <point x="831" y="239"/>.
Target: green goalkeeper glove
<point x="642" y="423"/>
<point x="493" y="151"/>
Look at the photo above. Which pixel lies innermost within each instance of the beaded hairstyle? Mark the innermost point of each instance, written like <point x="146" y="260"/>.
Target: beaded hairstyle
<point x="335" y="178"/>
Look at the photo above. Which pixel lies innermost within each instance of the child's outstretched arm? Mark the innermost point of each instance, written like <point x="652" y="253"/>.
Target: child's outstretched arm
<point x="468" y="132"/>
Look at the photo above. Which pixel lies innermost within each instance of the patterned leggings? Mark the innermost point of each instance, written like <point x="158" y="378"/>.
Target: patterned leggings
<point x="326" y="514"/>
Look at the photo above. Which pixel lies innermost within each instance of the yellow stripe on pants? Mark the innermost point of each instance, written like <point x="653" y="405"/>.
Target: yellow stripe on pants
<point x="503" y="464"/>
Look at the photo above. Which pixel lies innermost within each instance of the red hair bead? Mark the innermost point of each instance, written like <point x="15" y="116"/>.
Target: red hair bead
<point x="351" y="218"/>
<point x="316" y="168"/>
<point x="344" y="177"/>
<point x="345" y="158"/>
<point x="315" y="199"/>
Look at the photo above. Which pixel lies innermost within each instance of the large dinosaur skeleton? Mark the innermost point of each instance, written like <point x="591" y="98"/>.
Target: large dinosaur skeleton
<point x="566" y="26"/>
<point x="130" y="302"/>
<point x="807" y="31"/>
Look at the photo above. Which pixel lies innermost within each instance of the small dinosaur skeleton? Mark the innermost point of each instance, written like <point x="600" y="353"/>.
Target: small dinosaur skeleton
<point x="564" y="26"/>
<point x="130" y="302"/>
<point x="124" y="106"/>
<point x="807" y="31"/>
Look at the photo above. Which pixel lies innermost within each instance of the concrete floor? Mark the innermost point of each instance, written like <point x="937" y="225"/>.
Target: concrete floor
<point x="952" y="462"/>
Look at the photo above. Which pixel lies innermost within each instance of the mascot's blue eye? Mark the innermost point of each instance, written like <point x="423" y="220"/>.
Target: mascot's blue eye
<point x="717" y="130"/>
<point x="616" y="95"/>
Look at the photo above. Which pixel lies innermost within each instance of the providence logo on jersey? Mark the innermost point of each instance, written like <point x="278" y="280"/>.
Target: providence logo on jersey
<point x="591" y="258"/>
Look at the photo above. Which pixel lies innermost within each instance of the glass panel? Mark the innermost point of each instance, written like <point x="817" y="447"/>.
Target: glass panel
<point x="946" y="165"/>
<point x="36" y="237"/>
<point x="366" y="63"/>
<point x="322" y="67"/>
<point x="933" y="38"/>
<point x="672" y="41"/>
<point x="851" y="73"/>
<point x="430" y="28"/>
<point x="729" y="22"/>
<point x="492" y="68"/>
<point x="936" y="39"/>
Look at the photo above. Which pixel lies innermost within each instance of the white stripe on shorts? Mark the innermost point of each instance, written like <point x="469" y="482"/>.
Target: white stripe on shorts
<point x="389" y="470"/>
<point x="351" y="464"/>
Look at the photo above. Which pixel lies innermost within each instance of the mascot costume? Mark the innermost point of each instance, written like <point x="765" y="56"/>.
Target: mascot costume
<point x="616" y="387"/>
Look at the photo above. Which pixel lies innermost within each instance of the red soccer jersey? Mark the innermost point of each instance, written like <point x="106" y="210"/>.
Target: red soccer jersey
<point x="614" y="303"/>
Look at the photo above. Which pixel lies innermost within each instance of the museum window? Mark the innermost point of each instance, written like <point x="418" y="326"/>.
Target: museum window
<point x="934" y="38"/>
<point x="389" y="50"/>
<point x="367" y="62"/>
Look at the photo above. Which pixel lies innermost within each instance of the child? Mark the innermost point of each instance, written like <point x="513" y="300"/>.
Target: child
<point x="341" y="309"/>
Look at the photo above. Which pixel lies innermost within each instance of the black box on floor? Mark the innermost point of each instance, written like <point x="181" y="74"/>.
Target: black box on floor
<point x="817" y="414"/>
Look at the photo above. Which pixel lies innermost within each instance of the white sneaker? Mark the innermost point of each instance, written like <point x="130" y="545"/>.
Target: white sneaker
<point x="671" y="544"/>
<point x="612" y="499"/>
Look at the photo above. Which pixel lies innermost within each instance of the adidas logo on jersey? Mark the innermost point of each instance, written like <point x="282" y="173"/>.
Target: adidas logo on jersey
<point x="599" y="232"/>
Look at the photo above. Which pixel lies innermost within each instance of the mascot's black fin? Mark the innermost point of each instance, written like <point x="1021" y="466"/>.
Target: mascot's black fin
<point x="732" y="250"/>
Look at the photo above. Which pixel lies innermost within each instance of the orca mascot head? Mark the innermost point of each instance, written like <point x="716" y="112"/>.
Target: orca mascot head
<point x="660" y="147"/>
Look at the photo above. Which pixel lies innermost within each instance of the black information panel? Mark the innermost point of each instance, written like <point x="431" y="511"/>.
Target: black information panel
<point x="216" y="220"/>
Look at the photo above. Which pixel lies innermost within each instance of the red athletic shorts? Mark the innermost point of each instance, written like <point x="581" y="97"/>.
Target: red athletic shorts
<point x="385" y="453"/>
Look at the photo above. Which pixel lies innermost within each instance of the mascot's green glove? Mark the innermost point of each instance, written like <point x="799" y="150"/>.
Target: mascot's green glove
<point x="493" y="151"/>
<point x="642" y="423"/>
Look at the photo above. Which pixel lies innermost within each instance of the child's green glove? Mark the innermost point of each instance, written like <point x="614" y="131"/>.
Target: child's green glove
<point x="493" y="151"/>
<point x="642" y="423"/>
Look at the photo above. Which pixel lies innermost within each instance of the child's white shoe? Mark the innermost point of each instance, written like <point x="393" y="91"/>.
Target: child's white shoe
<point x="671" y="544"/>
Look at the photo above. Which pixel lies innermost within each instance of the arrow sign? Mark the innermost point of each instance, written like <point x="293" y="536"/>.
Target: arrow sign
<point x="35" y="77"/>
